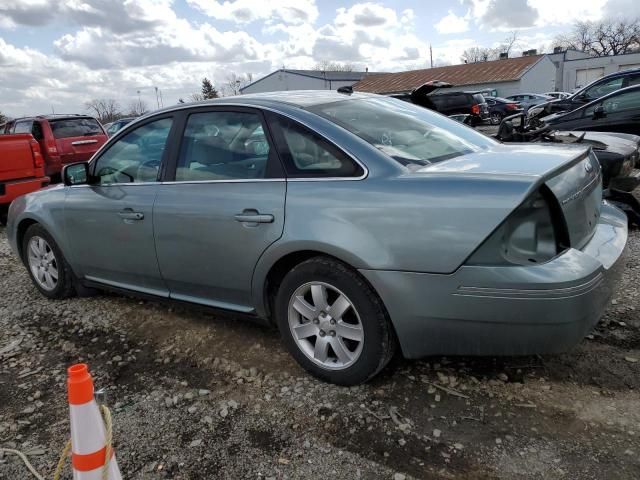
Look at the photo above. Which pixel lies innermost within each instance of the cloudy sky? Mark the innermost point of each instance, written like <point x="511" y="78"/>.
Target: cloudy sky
<point x="57" y="54"/>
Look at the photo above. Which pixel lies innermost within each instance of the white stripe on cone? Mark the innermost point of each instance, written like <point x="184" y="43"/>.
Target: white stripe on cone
<point x="88" y="435"/>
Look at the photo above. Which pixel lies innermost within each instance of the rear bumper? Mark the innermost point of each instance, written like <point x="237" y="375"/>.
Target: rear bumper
<point x="14" y="188"/>
<point x="479" y="310"/>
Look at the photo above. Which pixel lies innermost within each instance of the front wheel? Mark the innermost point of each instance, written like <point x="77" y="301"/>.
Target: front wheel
<point x="496" y="118"/>
<point x="333" y="323"/>
<point x="47" y="266"/>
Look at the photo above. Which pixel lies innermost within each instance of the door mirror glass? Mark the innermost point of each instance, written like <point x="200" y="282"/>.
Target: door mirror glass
<point x="76" y="174"/>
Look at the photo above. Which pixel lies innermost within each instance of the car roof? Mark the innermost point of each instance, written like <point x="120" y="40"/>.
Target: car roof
<point x="298" y="98"/>
<point x="65" y="116"/>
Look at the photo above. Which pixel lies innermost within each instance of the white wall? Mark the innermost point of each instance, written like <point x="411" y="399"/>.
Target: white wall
<point x="280" y="81"/>
<point x="609" y="64"/>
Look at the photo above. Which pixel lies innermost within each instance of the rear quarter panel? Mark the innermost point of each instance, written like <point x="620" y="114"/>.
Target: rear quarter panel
<point x="403" y="224"/>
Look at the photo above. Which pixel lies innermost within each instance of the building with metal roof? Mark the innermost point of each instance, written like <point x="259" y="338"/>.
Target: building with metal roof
<point x="287" y="79"/>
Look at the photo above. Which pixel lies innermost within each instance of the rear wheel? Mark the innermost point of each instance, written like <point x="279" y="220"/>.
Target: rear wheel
<point x="47" y="267"/>
<point x="333" y="323"/>
<point x="496" y="118"/>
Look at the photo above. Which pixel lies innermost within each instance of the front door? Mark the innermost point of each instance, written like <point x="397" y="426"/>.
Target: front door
<point x="109" y="223"/>
<point x="222" y="209"/>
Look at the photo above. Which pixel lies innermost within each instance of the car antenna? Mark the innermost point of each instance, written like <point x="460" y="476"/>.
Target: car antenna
<point x="347" y="90"/>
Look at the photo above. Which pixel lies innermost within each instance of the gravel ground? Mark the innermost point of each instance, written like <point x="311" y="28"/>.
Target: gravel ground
<point x="202" y="395"/>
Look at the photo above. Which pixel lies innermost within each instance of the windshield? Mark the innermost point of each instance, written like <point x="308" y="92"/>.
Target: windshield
<point x="411" y="135"/>
<point x="75" y="127"/>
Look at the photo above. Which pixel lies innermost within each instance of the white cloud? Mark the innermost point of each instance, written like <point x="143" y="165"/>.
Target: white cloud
<point x="293" y="12"/>
<point x="452" y="23"/>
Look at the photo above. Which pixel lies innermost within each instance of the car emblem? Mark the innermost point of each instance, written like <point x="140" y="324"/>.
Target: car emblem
<point x="588" y="167"/>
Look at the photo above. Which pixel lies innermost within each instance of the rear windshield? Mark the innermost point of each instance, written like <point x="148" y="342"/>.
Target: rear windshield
<point x="410" y="134"/>
<point x="75" y="127"/>
<point x="478" y="98"/>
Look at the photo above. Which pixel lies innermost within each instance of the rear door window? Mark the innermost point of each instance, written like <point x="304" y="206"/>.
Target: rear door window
<point x="75" y="127"/>
<point x="222" y="146"/>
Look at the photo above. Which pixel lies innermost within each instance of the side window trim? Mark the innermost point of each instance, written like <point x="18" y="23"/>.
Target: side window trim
<point x="282" y="146"/>
<point x="180" y="124"/>
<point x="124" y="131"/>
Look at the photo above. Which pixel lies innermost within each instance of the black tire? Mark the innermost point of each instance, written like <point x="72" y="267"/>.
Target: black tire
<point x="65" y="284"/>
<point x="379" y="343"/>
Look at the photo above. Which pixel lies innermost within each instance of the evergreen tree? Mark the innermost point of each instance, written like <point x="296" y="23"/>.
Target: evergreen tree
<point x="208" y="90"/>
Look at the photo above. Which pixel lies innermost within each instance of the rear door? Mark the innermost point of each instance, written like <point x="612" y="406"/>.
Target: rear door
<point x="77" y="139"/>
<point x="222" y="206"/>
<point x="109" y="224"/>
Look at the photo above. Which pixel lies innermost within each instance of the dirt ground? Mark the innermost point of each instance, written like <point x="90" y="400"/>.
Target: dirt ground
<point x="196" y="394"/>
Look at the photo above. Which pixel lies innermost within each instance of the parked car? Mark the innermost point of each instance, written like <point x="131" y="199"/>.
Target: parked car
<point x="113" y="127"/>
<point x="432" y="96"/>
<point x="501" y="107"/>
<point x="557" y="95"/>
<point x="356" y="223"/>
<point x="63" y="139"/>
<point x="21" y="169"/>
<point x="596" y="89"/>
<point x="619" y="111"/>
<point x="528" y="100"/>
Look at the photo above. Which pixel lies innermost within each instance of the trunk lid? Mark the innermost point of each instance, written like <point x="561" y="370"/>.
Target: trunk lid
<point x="77" y="139"/>
<point x="571" y="172"/>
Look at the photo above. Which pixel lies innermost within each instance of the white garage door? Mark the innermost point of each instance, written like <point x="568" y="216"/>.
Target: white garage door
<point x="586" y="76"/>
<point x="627" y="67"/>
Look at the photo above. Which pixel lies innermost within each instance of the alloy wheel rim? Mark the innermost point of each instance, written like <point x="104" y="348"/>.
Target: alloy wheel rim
<point x="325" y="325"/>
<point x="495" y="118"/>
<point x="42" y="263"/>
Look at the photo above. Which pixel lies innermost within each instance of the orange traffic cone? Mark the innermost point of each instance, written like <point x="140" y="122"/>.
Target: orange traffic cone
<point x="88" y="436"/>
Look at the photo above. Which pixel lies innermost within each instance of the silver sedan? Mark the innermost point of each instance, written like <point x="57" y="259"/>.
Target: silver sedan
<point x="358" y="225"/>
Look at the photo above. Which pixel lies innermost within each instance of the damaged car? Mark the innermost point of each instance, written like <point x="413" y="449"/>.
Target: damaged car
<point x="356" y="224"/>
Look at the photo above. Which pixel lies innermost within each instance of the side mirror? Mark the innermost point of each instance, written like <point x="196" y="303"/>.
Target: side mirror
<point x="75" y="174"/>
<point x="599" y="112"/>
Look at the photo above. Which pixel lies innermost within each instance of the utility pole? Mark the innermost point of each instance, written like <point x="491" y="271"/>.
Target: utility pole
<point x="431" y="55"/>
<point x="157" y="99"/>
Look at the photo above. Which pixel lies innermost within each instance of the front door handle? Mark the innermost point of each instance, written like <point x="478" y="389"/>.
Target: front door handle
<point x="253" y="216"/>
<point x="129" y="214"/>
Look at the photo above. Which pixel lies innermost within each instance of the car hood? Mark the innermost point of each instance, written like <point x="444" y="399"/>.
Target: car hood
<point x="513" y="160"/>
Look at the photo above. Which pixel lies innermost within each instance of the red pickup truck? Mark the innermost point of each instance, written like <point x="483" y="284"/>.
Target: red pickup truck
<point x="21" y="169"/>
<point x="63" y="139"/>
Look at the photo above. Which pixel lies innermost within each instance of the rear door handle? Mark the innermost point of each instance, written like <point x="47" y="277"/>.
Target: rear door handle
<point x="252" y="216"/>
<point x="131" y="215"/>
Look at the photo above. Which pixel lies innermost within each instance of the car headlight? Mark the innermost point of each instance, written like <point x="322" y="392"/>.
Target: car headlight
<point x="534" y="233"/>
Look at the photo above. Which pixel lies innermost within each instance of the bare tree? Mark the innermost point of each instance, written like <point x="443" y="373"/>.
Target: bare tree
<point x="105" y="109"/>
<point x="477" y="54"/>
<point x="507" y="44"/>
<point x="329" y="66"/>
<point x="235" y="83"/>
<point x="138" y="107"/>
<point x="196" y="97"/>
<point x="606" y="37"/>
<point x="3" y="118"/>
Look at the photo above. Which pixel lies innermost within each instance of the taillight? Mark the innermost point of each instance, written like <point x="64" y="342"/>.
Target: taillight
<point x="475" y="109"/>
<point x="38" y="161"/>
<point x="511" y="106"/>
